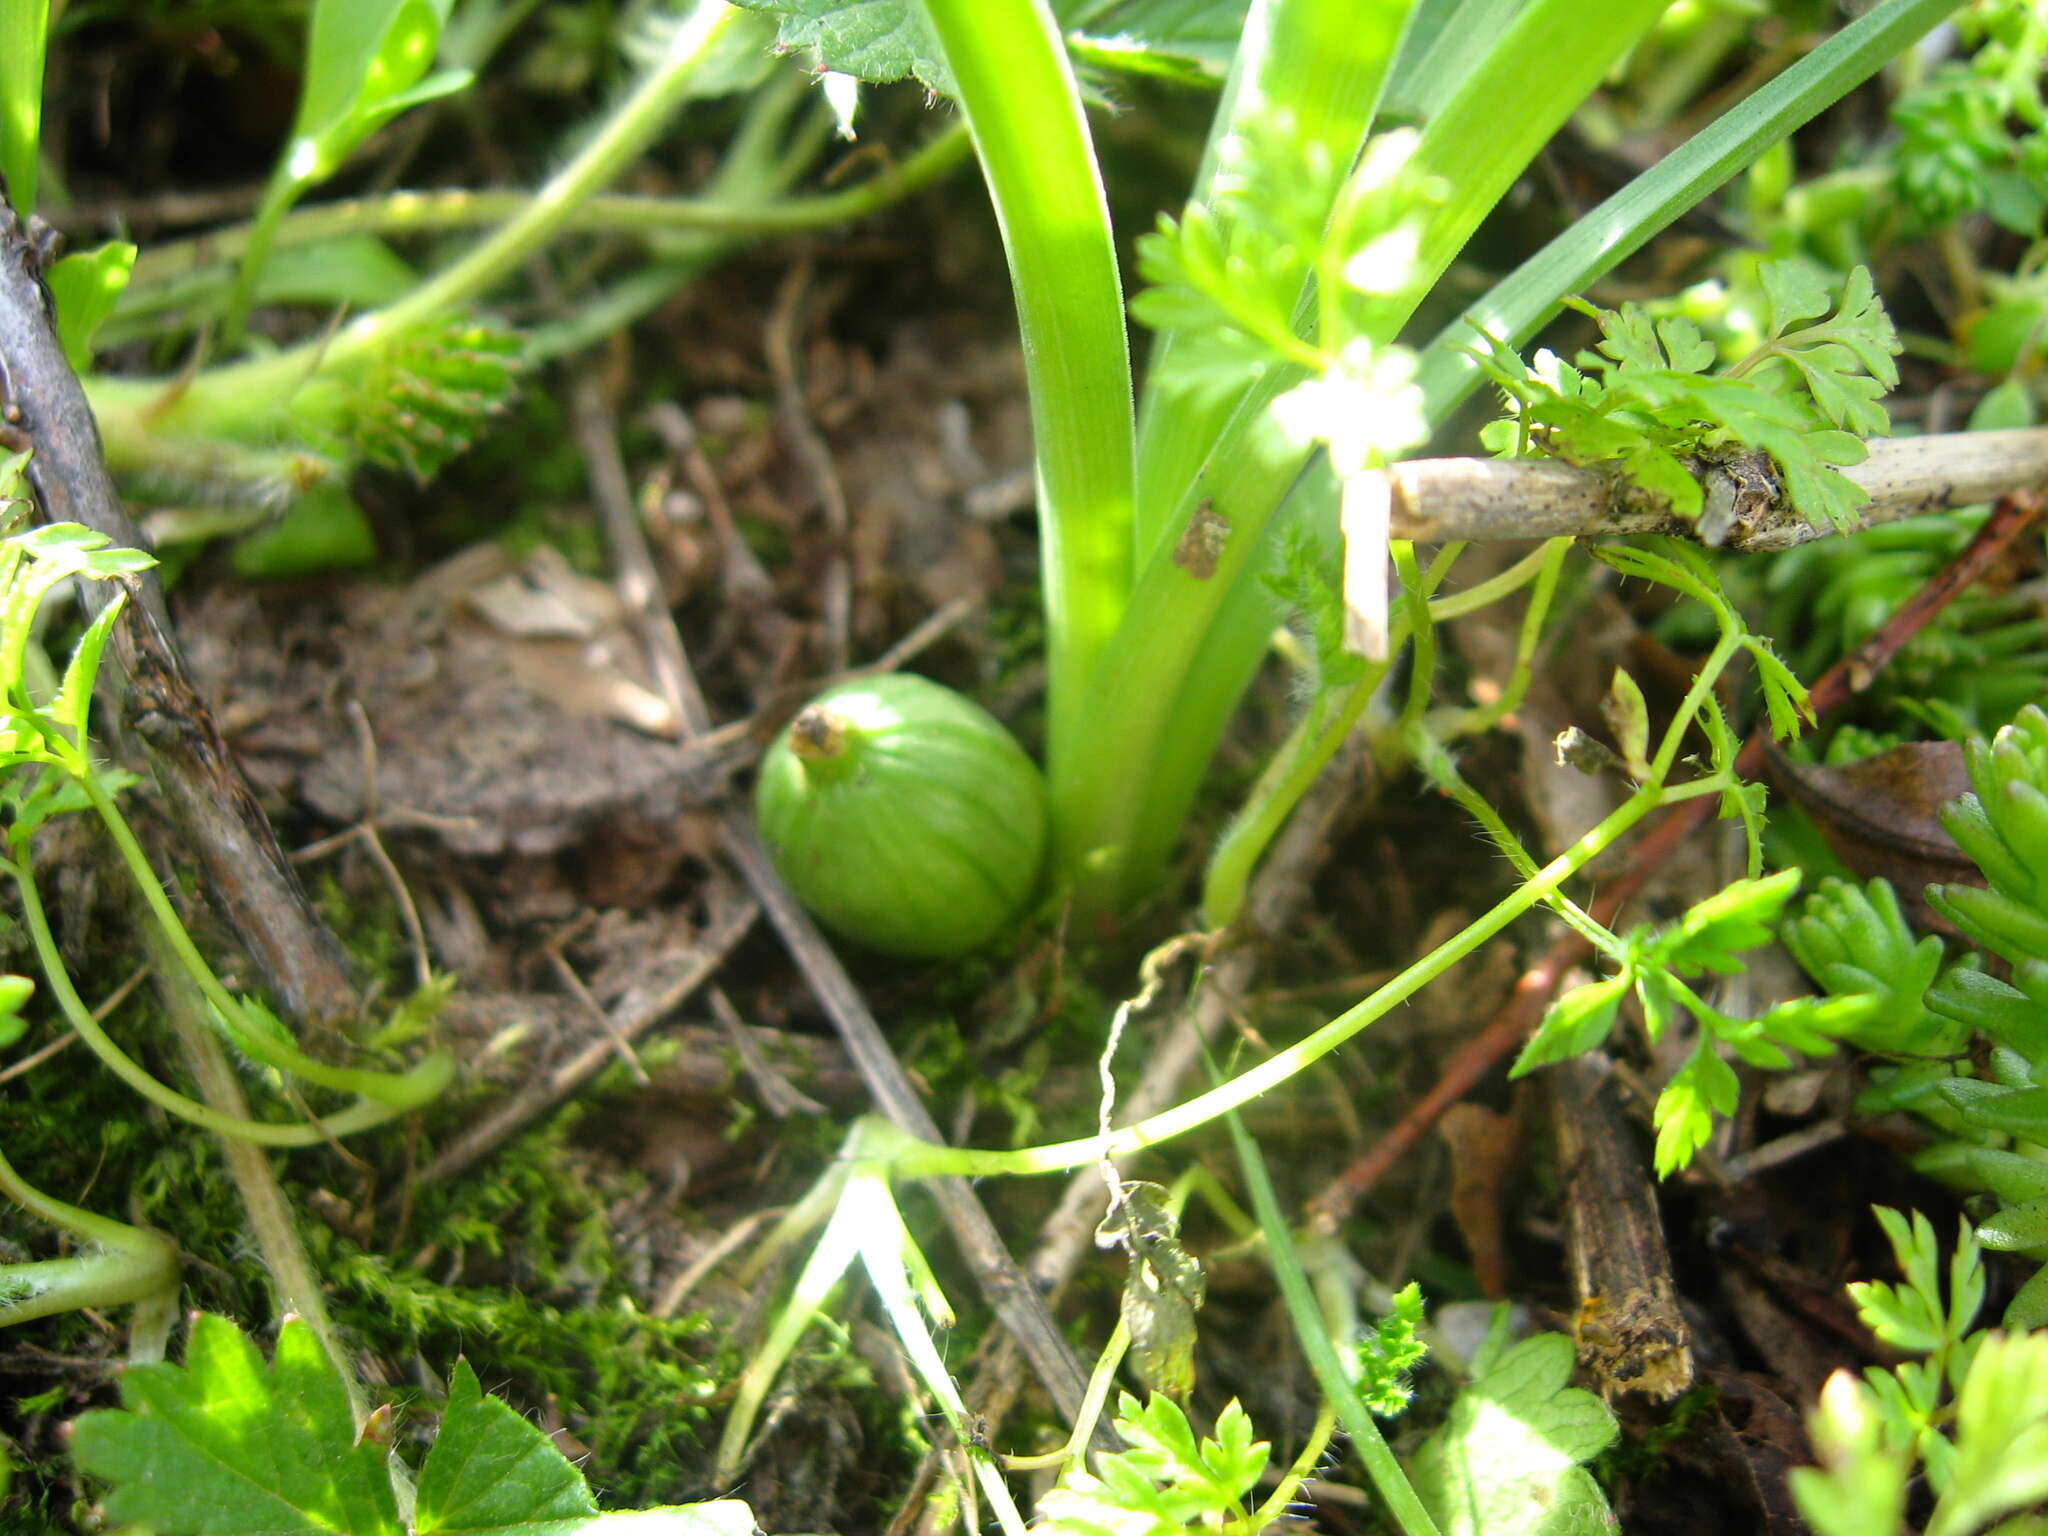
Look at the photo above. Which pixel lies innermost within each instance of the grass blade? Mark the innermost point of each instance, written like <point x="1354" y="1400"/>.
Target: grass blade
<point x="1024" y="110"/>
<point x="1520" y="303"/>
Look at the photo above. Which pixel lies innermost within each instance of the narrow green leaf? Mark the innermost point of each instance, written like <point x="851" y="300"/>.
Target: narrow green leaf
<point x="86" y="285"/>
<point x="24" y="37"/>
<point x="1519" y="304"/>
<point x="72" y="707"/>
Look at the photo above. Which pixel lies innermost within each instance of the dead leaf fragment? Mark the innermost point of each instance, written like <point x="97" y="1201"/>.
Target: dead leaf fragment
<point x="1882" y="816"/>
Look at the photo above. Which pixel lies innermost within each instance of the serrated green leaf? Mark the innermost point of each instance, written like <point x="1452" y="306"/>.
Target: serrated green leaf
<point x="876" y="40"/>
<point x="1508" y="1457"/>
<point x="1785" y="700"/>
<point x="1575" y="1023"/>
<point x="225" y="1446"/>
<point x="1168" y="1479"/>
<point x="1685" y="1110"/>
<point x="2001" y="1435"/>
<point x="1863" y="1487"/>
<point x="1737" y="918"/>
<point x="491" y="1470"/>
<point x="1793" y="291"/>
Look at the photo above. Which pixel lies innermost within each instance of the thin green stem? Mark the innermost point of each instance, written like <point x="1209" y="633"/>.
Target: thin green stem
<point x="278" y="198"/>
<point x="401" y="1091"/>
<point x="399" y="213"/>
<point x="299" y="1134"/>
<point x="1270" y="1513"/>
<point x="1422" y="667"/>
<point x="1697" y="697"/>
<point x="914" y="1159"/>
<point x="1481" y="594"/>
<point x="1430" y="755"/>
<point x="1367" y="1443"/>
<point x="1310" y="746"/>
<point x="1017" y="90"/>
<point x="1545" y="567"/>
<point x="131" y="1265"/>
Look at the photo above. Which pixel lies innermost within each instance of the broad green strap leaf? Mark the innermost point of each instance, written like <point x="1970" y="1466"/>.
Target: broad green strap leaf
<point x="24" y="34"/>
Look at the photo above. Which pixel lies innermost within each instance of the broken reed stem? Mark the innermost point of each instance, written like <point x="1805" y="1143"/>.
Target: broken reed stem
<point x="1525" y="1006"/>
<point x="1442" y="499"/>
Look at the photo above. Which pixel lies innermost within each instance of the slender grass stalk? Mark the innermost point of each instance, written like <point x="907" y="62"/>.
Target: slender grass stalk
<point x="273" y="1229"/>
<point x="909" y="1158"/>
<point x="1017" y="90"/>
<point x="1367" y="1443"/>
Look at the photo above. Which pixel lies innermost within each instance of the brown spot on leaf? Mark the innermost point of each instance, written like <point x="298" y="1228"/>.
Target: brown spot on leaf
<point x="1201" y="543"/>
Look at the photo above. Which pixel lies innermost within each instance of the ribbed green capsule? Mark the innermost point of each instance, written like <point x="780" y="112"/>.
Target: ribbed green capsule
<point x="904" y="816"/>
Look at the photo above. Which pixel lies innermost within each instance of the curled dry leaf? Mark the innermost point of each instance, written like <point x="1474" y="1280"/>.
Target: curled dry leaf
<point x="1882" y="816"/>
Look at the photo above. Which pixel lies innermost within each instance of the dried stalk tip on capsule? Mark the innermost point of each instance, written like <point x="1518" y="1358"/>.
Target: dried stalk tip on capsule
<point x="817" y="734"/>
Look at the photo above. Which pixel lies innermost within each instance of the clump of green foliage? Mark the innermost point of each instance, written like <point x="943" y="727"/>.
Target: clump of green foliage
<point x="1993" y="1120"/>
<point x="1650" y="398"/>
<point x="1969" y="1414"/>
<point x="225" y="1444"/>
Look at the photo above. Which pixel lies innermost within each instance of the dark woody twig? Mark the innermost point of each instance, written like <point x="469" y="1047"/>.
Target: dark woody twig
<point x="43" y="409"/>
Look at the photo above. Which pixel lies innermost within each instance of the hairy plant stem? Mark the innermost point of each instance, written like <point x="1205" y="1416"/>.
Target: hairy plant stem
<point x="405" y="213"/>
<point x="219" y="401"/>
<point x="276" y="1235"/>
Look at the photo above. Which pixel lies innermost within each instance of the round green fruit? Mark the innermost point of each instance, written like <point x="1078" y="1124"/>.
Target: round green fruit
<point x="905" y="816"/>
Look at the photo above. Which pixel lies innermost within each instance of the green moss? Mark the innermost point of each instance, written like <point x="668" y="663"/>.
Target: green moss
<point x="515" y="1269"/>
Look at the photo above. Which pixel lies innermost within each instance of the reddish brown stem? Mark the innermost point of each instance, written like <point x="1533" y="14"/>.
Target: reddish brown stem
<point x="1525" y="1006"/>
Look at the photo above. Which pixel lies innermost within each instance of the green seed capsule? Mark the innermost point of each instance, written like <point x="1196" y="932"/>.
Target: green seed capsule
<point x="904" y="816"/>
